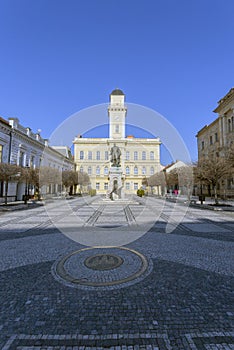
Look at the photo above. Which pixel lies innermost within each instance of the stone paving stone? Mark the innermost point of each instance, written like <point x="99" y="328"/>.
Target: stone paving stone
<point x="185" y="302"/>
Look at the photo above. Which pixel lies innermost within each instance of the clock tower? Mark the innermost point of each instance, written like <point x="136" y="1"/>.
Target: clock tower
<point x="117" y="113"/>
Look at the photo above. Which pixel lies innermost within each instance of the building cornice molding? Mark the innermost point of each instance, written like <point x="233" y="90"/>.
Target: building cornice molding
<point x="224" y="102"/>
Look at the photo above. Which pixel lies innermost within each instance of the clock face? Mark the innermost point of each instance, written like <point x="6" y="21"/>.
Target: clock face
<point x="116" y="117"/>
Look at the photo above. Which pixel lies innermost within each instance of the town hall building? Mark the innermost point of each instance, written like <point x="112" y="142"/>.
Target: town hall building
<point x="140" y="157"/>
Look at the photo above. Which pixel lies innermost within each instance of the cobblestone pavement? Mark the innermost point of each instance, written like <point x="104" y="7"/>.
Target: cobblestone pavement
<point x="182" y="300"/>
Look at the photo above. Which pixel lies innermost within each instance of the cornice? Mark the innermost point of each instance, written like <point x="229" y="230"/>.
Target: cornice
<point x="225" y="101"/>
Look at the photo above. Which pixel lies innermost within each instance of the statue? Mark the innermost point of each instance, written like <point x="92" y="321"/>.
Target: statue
<point x="115" y="155"/>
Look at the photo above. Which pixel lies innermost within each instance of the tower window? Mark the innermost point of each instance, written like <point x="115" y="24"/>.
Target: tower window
<point x="117" y="128"/>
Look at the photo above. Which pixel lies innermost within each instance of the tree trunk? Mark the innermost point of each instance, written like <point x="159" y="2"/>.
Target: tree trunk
<point x="6" y="192"/>
<point x="216" y="195"/>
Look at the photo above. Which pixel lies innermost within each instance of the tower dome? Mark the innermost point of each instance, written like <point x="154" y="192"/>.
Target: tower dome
<point x="117" y="92"/>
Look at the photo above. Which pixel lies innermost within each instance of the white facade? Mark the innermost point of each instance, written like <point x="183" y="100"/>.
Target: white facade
<point x="24" y="148"/>
<point x="140" y="157"/>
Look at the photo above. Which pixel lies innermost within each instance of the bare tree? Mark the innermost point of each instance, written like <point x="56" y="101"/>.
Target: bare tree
<point x="158" y="179"/>
<point x="83" y="179"/>
<point x="9" y="172"/>
<point x="69" y="179"/>
<point x="49" y="176"/>
<point x="211" y="171"/>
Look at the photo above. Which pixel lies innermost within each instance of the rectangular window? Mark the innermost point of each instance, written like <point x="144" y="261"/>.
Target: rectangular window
<point x="211" y="140"/>
<point x="98" y="155"/>
<point x="216" y="137"/>
<point x="229" y="125"/>
<point x="97" y="185"/>
<point x="127" y="186"/>
<point x="105" y="185"/>
<point x="135" y="186"/>
<point x="81" y="154"/>
<point x="202" y="145"/>
<point x="21" y="159"/>
<point x="90" y="155"/>
<point x="1" y="149"/>
<point x="127" y="155"/>
<point x="32" y="162"/>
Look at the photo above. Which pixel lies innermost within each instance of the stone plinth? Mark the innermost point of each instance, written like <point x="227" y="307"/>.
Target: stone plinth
<point x="116" y="190"/>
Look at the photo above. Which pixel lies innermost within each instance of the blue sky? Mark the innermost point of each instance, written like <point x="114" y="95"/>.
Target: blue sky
<point x="60" y="56"/>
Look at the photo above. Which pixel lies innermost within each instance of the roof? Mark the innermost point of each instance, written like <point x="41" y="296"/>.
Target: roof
<point x="229" y="96"/>
<point x="117" y="92"/>
<point x="4" y="121"/>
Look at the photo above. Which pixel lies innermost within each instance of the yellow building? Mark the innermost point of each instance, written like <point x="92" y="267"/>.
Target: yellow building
<point x="140" y="157"/>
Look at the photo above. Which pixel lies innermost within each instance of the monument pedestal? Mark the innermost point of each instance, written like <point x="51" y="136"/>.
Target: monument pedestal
<point x="116" y="189"/>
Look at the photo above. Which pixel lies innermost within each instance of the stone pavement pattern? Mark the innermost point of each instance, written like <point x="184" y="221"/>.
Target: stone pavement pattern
<point x="184" y="301"/>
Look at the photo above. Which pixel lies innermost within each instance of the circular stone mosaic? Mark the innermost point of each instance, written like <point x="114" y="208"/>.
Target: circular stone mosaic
<point x="103" y="262"/>
<point x="101" y="267"/>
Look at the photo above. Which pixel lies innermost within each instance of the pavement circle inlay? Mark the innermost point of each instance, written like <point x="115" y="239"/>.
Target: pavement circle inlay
<point x="100" y="267"/>
<point x="103" y="262"/>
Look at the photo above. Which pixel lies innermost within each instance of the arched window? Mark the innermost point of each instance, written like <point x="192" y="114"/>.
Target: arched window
<point x="106" y="170"/>
<point x="98" y="170"/>
<point x="152" y="170"/>
<point x="135" y="155"/>
<point x="144" y="155"/>
<point x="135" y="170"/>
<point x="81" y="154"/>
<point x="98" y="155"/>
<point x="152" y="155"/>
<point x="143" y="170"/>
<point x="127" y="155"/>
<point x="81" y="169"/>
<point x="89" y="170"/>
<point x="127" y="170"/>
